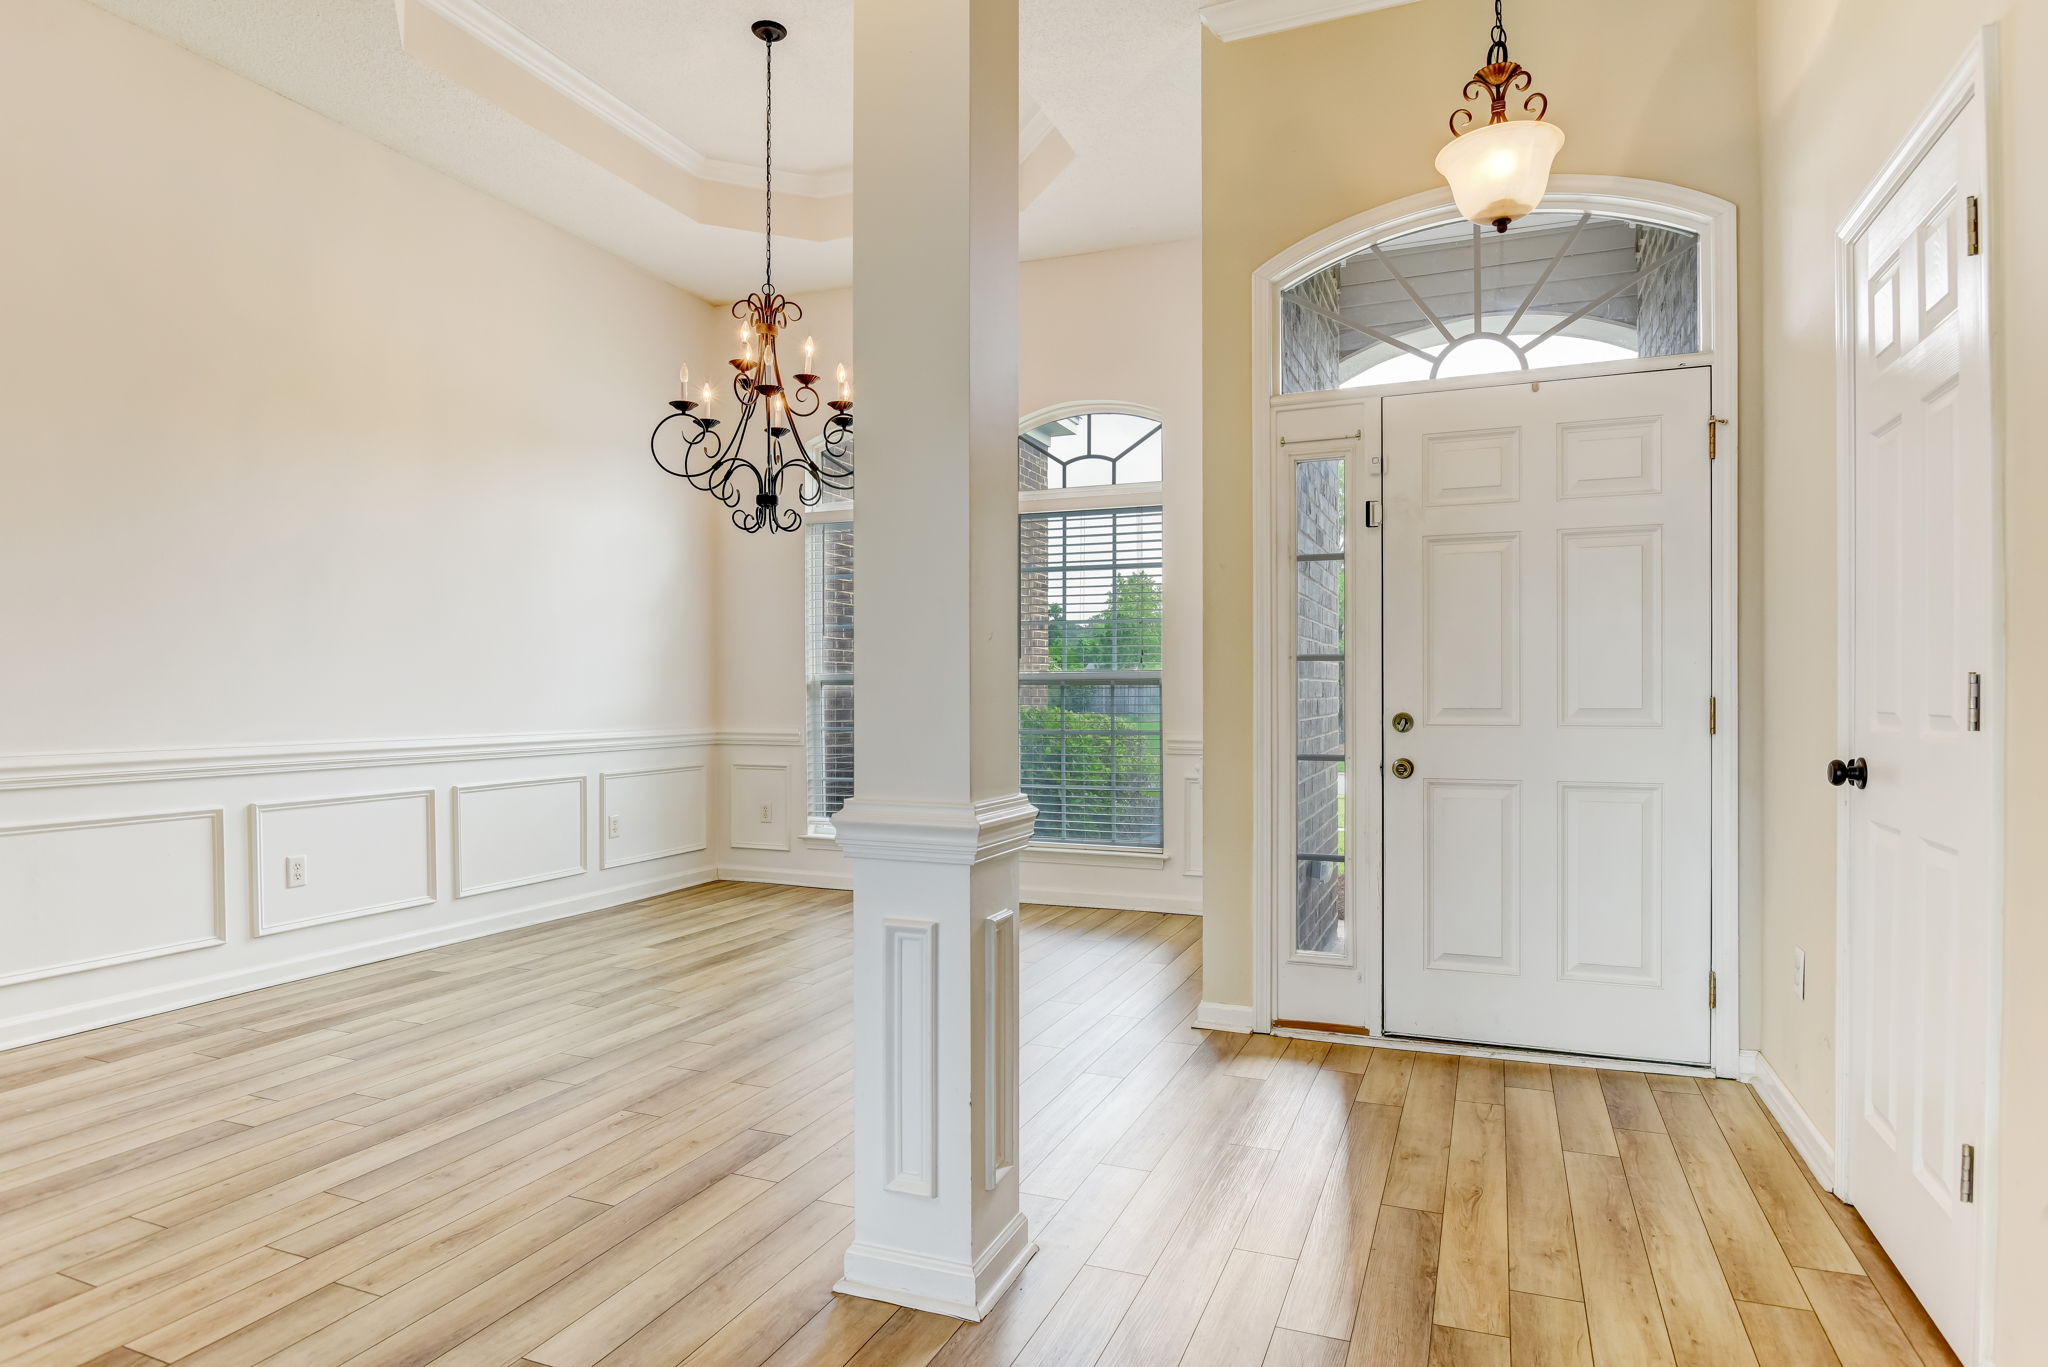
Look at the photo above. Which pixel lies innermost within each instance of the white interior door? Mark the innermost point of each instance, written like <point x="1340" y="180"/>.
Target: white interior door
<point x="1917" y="841"/>
<point x="1548" y="627"/>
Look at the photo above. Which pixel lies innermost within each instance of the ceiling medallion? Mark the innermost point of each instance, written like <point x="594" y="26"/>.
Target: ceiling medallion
<point x="759" y="490"/>
<point x="1499" y="171"/>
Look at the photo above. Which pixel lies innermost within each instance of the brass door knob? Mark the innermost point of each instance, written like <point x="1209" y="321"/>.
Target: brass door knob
<point x="1403" y="722"/>
<point x="1404" y="768"/>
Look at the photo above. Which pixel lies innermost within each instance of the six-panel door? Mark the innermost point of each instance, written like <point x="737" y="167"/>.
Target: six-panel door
<point x="1548" y="602"/>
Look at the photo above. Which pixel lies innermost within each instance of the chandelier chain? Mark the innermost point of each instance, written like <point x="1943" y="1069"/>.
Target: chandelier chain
<point x="768" y="166"/>
<point x="1498" y="51"/>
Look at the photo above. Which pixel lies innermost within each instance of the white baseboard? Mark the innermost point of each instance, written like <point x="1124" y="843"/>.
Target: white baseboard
<point x="91" y="1015"/>
<point x="1807" y="1138"/>
<point x="788" y="878"/>
<point x="1237" y="1020"/>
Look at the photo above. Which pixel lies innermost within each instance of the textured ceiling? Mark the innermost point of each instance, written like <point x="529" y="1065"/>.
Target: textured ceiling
<point x="1120" y="81"/>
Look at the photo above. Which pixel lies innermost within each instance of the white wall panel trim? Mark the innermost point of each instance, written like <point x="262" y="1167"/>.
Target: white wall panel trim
<point x="690" y="844"/>
<point x="262" y="869"/>
<point x="219" y="934"/>
<point x="75" y="768"/>
<point x="582" y="864"/>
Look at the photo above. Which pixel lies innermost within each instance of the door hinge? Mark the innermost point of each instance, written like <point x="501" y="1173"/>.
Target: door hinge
<point x="1976" y="701"/>
<point x="1975" y="232"/>
<point x="1713" y="716"/>
<point x="1713" y="989"/>
<point x="1714" y="426"/>
<point x="1966" y="1189"/>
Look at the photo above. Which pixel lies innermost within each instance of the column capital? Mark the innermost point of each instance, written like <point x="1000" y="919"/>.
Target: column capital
<point x="935" y="832"/>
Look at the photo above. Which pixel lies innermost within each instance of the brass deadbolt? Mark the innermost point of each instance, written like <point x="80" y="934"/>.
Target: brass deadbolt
<point x="1404" y="768"/>
<point x="1403" y="722"/>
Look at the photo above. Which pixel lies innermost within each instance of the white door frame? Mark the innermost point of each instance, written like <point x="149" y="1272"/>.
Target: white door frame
<point x="1969" y="93"/>
<point x="1713" y="219"/>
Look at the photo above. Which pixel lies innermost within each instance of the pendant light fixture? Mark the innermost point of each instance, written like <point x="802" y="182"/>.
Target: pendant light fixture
<point x="785" y="470"/>
<point x="1499" y="171"/>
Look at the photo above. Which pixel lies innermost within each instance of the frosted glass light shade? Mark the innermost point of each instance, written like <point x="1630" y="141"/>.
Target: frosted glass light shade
<point x="1499" y="171"/>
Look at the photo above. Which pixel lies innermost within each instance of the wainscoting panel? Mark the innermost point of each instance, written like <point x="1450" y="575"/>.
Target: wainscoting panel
<point x="509" y="835"/>
<point x="363" y="854"/>
<point x="652" y="814"/>
<point x="78" y="895"/>
<point x="759" y="807"/>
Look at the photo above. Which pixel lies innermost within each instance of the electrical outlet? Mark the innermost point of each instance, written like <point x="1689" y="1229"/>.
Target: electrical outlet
<point x="1799" y="973"/>
<point x="295" y="870"/>
<point x="767" y="814"/>
<point x="611" y="826"/>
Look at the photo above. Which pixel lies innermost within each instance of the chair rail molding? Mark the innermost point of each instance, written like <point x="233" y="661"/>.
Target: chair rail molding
<point x="70" y="769"/>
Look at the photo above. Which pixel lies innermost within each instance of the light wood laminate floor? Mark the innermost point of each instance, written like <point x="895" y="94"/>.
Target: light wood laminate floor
<point x="622" y="1140"/>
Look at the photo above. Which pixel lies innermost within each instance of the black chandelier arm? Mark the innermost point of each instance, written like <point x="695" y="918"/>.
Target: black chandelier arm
<point x="706" y="441"/>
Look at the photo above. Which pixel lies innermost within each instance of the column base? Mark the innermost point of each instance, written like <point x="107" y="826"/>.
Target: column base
<point x="966" y="1292"/>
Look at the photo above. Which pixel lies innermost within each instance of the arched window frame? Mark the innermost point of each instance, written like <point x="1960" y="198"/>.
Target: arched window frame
<point x="1711" y="219"/>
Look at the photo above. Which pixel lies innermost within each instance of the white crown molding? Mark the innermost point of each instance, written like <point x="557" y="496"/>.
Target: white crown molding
<point x="71" y="769"/>
<point x="480" y="22"/>
<point x="476" y="20"/>
<point x="1231" y="20"/>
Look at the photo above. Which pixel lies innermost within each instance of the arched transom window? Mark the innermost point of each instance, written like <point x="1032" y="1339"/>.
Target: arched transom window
<point x="1560" y="288"/>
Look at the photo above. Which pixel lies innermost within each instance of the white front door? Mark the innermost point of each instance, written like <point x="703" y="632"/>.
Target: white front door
<point x="1548" y="605"/>
<point x="1917" y="840"/>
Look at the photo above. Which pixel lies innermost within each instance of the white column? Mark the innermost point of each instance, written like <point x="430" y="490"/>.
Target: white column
<point x="936" y="823"/>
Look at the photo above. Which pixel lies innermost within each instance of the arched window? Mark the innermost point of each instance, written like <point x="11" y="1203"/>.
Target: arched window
<point x="1561" y="288"/>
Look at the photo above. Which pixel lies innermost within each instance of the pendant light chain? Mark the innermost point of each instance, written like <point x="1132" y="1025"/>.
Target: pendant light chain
<point x="768" y="166"/>
<point x="1498" y="52"/>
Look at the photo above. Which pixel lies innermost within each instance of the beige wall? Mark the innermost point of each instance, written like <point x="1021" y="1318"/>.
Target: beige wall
<point x="305" y="441"/>
<point x="1114" y="327"/>
<point x="1841" y="83"/>
<point x="1305" y="128"/>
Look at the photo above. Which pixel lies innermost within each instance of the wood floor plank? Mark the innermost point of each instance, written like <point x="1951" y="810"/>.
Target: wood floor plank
<point x="1287" y="1203"/>
<point x="1236" y="1326"/>
<point x="1623" y="1314"/>
<point x="1385" y="1080"/>
<point x="1700" y="1317"/>
<point x="1080" y="1326"/>
<point x="1472" y="1259"/>
<point x="1549" y="1332"/>
<point x="1163" y="1316"/>
<point x="1582" y="1123"/>
<point x="1543" y="1256"/>
<point x="1422" y="1150"/>
<point x="1629" y="1103"/>
<point x="1463" y="1348"/>
<point x="1857" y="1322"/>
<point x="1481" y="1079"/>
<point x="1291" y="1349"/>
<point x="1750" y="1255"/>
<point x="1783" y="1335"/>
<point x="1324" y="1295"/>
<point x="1394" y="1325"/>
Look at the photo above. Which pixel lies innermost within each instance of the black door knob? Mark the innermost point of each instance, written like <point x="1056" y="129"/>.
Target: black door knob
<point x="1856" y="773"/>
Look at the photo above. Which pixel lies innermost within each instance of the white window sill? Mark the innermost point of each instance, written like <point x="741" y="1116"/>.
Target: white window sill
<point x="1101" y="856"/>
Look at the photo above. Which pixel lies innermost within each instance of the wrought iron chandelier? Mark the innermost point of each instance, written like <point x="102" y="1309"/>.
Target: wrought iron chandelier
<point x="1499" y="171"/>
<point x="759" y="490"/>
